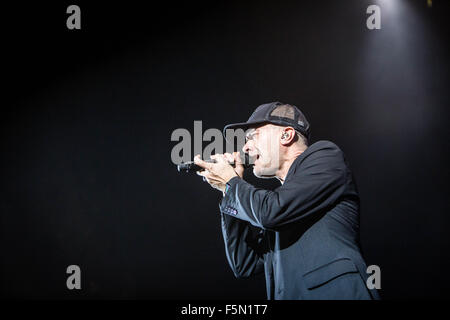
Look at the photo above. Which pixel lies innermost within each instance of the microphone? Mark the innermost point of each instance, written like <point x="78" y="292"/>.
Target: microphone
<point x="191" y="166"/>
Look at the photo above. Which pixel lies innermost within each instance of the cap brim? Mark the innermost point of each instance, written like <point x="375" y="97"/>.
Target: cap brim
<point x="242" y="125"/>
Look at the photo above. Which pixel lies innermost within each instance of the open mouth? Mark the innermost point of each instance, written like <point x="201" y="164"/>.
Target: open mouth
<point x="253" y="158"/>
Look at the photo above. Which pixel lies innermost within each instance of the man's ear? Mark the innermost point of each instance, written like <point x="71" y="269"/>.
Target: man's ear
<point x="287" y="136"/>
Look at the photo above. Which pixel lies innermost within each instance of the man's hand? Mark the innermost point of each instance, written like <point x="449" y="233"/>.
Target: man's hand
<point x="219" y="173"/>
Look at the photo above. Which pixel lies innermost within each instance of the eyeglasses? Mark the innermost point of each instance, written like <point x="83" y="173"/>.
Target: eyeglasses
<point x="250" y="135"/>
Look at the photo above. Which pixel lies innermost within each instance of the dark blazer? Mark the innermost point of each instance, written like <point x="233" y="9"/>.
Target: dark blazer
<point x="304" y="234"/>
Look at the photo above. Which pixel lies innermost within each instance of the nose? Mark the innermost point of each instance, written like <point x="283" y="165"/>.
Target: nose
<point x="249" y="147"/>
<point x="246" y="147"/>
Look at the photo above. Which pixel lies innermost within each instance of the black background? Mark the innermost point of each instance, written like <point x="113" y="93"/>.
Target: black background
<point x="87" y="116"/>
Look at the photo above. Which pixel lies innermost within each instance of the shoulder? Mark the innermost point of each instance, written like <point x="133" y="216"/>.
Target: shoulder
<point x="323" y="145"/>
<point x="322" y="148"/>
<point x="322" y="157"/>
<point x="321" y="153"/>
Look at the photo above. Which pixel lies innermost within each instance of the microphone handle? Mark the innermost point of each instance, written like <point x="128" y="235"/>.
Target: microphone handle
<point x="190" y="166"/>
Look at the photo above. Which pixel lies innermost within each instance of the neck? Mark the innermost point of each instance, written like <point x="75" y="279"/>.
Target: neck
<point x="289" y="158"/>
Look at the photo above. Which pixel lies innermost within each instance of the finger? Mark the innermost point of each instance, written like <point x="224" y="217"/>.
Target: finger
<point x="201" y="163"/>
<point x="237" y="158"/>
<point x="238" y="164"/>
<point x="211" y="180"/>
<point x="208" y="175"/>
<point x="203" y="173"/>
<point x="220" y="158"/>
<point x="217" y="157"/>
<point x="229" y="157"/>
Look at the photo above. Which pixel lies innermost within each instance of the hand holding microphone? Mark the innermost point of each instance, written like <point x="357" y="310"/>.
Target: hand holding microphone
<point x="191" y="166"/>
<point x="218" y="173"/>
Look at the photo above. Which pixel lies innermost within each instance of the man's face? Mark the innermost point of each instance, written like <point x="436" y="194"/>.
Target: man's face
<point x="262" y="144"/>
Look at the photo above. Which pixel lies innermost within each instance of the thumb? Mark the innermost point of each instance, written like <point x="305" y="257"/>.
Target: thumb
<point x="238" y="164"/>
<point x="237" y="158"/>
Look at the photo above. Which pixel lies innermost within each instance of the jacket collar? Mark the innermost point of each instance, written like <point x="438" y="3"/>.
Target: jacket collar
<point x="312" y="148"/>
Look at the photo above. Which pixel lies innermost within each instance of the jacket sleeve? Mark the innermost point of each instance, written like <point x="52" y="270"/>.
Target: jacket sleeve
<point x="244" y="246"/>
<point x="313" y="185"/>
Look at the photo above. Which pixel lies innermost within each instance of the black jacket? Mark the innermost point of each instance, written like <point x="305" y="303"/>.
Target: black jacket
<point x="304" y="234"/>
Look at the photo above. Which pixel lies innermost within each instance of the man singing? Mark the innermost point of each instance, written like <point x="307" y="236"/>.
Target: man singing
<point x="307" y="230"/>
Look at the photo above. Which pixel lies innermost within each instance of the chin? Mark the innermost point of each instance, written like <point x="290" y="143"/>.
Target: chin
<point x="262" y="173"/>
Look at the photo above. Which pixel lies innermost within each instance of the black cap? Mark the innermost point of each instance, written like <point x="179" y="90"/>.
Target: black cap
<point x="276" y="113"/>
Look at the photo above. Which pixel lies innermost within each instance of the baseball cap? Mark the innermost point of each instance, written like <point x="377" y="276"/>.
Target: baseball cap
<point x="276" y="113"/>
